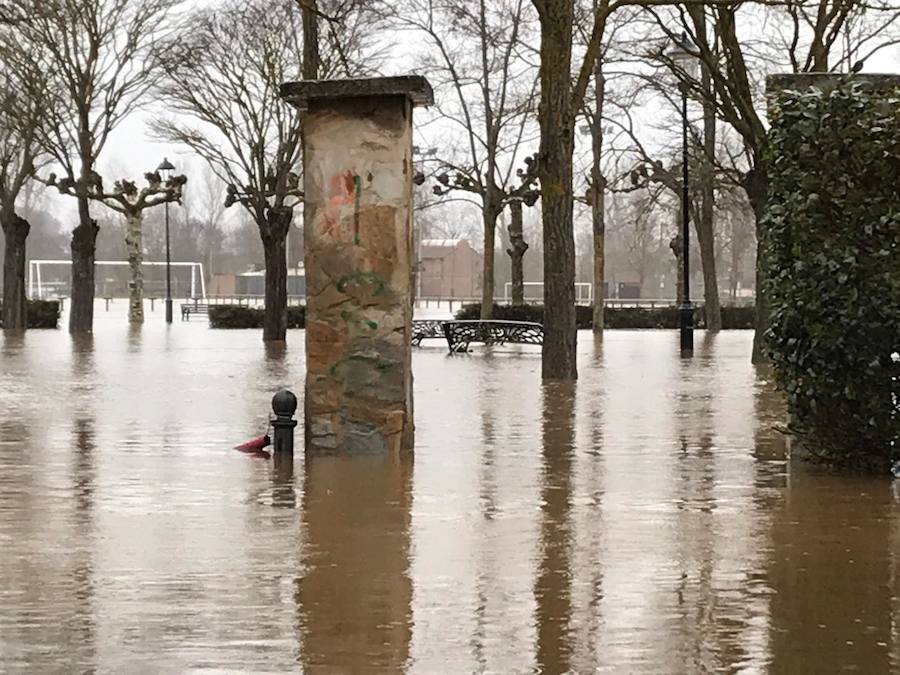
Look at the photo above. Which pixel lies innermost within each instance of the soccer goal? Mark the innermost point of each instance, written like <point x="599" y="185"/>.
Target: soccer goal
<point x="40" y="286"/>
<point x="534" y="292"/>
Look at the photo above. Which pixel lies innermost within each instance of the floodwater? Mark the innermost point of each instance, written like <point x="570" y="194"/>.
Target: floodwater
<point x="642" y="521"/>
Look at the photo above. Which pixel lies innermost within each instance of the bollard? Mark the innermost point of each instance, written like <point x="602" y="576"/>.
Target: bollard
<point x="151" y="304"/>
<point x="284" y="405"/>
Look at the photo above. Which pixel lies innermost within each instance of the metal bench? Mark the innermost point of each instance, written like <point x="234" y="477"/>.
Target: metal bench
<point x="460" y="334"/>
<point x="193" y="308"/>
<point x="423" y="329"/>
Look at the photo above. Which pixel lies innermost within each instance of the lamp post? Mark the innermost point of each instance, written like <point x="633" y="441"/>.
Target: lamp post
<point x="166" y="170"/>
<point x="683" y="55"/>
<point x="419" y="179"/>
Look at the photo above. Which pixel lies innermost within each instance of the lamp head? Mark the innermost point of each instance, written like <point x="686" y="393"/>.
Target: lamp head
<point x="166" y="169"/>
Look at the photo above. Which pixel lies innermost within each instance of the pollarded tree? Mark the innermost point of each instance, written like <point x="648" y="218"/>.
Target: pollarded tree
<point x="222" y="73"/>
<point x="131" y="202"/>
<point x="98" y="58"/>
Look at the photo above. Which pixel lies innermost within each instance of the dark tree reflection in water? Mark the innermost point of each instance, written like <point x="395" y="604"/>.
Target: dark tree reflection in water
<point x="553" y="585"/>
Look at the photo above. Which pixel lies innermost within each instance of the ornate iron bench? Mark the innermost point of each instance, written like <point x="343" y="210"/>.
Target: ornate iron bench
<point x="423" y="329"/>
<point x="193" y="308"/>
<point x="460" y="334"/>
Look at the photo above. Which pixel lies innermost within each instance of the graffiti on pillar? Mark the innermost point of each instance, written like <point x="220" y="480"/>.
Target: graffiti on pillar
<point x="344" y="189"/>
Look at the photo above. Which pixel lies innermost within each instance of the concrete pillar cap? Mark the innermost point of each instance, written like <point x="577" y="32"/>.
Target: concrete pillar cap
<point x="414" y="87"/>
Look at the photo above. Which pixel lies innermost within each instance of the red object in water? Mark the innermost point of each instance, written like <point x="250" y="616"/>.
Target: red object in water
<point x="255" y="445"/>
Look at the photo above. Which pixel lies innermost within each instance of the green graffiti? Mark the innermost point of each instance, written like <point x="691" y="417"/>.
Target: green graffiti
<point x="361" y="277"/>
<point x="357" y="189"/>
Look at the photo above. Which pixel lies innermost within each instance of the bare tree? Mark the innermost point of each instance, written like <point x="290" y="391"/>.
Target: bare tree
<point x="805" y="36"/>
<point x="99" y="58"/>
<point x="20" y="117"/>
<point x="594" y="110"/>
<point x="490" y="100"/>
<point x="224" y="72"/>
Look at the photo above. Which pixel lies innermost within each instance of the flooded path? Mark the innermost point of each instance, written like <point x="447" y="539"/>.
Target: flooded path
<point x="643" y="520"/>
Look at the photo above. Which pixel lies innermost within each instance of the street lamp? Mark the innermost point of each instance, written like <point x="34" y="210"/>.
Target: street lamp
<point x="683" y="54"/>
<point x="166" y="170"/>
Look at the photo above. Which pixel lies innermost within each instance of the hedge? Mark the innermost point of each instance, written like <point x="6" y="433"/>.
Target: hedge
<point x="238" y="316"/>
<point x="832" y="241"/>
<point x="40" y="314"/>
<point x="733" y="317"/>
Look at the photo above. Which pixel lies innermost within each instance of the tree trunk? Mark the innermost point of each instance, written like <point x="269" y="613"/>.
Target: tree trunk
<point x="310" y="19"/>
<point x="15" y="230"/>
<point x="84" y="243"/>
<point x="557" y="124"/>
<point x="598" y="207"/>
<point x="705" y="236"/>
<point x="490" y="214"/>
<point x="274" y="234"/>
<point x="598" y="194"/>
<point x="756" y="182"/>
<point x="135" y="251"/>
<point x="516" y="251"/>
<point x="735" y="260"/>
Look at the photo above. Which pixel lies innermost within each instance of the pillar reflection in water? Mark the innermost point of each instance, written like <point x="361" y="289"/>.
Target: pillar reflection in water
<point x="553" y="585"/>
<point x="353" y="598"/>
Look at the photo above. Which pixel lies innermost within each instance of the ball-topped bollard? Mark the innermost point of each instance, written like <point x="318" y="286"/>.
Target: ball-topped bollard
<point x="284" y="405"/>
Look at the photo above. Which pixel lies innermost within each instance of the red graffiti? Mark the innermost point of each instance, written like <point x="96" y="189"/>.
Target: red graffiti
<point x="341" y="192"/>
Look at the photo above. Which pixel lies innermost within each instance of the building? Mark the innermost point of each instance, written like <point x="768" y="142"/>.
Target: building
<point x="253" y="284"/>
<point x="449" y="268"/>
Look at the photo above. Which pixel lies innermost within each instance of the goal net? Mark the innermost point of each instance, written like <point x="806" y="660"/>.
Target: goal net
<point x="52" y="279"/>
<point x="534" y="292"/>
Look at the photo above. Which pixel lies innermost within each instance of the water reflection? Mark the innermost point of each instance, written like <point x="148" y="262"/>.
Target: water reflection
<point x="353" y="599"/>
<point x="275" y="362"/>
<point x="135" y="335"/>
<point x="553" y="585"/>
<point x="82" y="350"/>
<point x="647" y="522"/>
<point x="84" y="623"/>
<point x="832" y="575"/>
<point x="283" y="493"/>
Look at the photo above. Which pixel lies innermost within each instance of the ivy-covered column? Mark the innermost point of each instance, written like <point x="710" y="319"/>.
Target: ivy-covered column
<point x="833" y="262"/>
<point x="357" y="181"/>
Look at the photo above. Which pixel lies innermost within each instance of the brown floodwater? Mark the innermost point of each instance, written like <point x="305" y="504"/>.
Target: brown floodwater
<point x="644" y="520"/>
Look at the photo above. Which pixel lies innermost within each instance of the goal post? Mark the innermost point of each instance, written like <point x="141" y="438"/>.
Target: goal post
<point x="534" y="292"/>
<point x="37" y="285"/>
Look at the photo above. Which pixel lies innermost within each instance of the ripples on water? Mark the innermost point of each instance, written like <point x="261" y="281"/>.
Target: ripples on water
<point x="643" y="520"/>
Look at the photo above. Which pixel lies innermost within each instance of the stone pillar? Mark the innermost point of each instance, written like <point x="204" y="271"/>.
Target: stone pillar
<point x="357" y="177"/>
